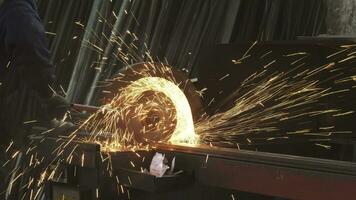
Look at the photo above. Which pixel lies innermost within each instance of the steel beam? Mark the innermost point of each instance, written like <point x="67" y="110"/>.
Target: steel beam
<point x="286" y="176"/>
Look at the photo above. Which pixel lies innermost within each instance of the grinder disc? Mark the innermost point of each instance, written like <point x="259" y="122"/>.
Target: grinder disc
<point x="152" y="117"/>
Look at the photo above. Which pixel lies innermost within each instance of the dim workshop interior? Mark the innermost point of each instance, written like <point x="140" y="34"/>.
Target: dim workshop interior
<point x="177" y="99"/>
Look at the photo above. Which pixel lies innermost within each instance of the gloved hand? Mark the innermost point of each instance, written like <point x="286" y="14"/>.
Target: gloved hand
<point x="54" y="107"/>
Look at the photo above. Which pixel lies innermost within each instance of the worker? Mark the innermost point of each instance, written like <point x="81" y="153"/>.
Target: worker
<point x="26" y="74"/>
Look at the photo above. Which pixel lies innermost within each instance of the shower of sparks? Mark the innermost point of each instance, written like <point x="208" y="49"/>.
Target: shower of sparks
<point x="268" y="99"/>
<point x="126" y="113"/>
<point x="265" y="100"/>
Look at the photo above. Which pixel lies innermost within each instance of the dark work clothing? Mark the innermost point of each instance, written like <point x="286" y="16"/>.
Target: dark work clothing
<point x="25" y="66"/>
<point x="25" y="73"/>
<point x="24" y="54"/>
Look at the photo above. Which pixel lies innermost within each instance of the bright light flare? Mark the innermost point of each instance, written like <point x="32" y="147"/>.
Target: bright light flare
<point x="151" y="109"/>
<point x="184" y="129"/>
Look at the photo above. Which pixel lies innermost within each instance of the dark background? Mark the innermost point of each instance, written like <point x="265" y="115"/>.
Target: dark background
<point x="174" y="31"/>
<point x="198" y="36"/>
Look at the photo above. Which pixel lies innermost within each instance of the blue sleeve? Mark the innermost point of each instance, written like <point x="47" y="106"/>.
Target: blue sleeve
<point x="27" y="42"/>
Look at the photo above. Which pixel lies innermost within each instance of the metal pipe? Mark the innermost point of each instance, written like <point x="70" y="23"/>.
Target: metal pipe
<point x="86" y="108"/>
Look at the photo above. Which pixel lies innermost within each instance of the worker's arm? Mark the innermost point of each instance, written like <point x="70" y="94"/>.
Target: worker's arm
<point x="27" y="42"/>
<point x="30" y="57"/>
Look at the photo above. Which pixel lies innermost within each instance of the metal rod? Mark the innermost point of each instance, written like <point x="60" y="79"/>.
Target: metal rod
<point x="86" y="108"/>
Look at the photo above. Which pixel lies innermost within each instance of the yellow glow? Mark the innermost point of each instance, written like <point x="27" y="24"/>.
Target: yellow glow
<point x="123" y="120"/>
<point x="184" y="131"/>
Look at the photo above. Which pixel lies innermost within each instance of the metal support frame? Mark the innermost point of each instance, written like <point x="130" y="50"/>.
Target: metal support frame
<point x="269" y="174"/>
<point x="286" y="176"/>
